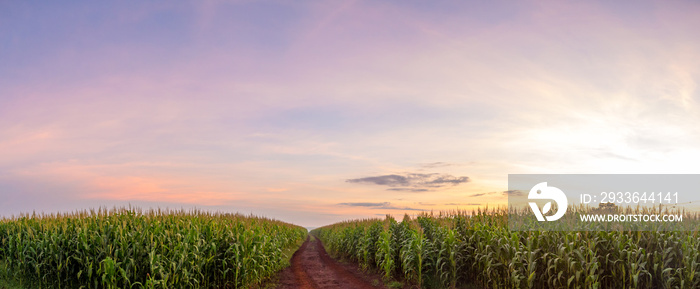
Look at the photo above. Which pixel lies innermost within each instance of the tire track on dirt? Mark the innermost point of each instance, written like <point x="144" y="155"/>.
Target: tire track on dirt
<point x="312" y="268"/>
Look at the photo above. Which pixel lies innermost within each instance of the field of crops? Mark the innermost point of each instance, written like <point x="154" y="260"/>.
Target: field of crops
<point x="477" y="250"/>
<point x="129" y="248"/>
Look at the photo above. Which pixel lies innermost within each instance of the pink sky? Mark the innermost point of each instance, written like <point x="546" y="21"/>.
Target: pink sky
<point x="316" y="112"/>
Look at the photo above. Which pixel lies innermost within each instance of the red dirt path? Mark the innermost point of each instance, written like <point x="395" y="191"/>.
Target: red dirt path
<point x="312" y="268"/>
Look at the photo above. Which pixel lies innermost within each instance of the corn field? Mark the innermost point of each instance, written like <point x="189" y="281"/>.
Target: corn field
<point x="129" y="248"/>
<point x="477" y="250"/>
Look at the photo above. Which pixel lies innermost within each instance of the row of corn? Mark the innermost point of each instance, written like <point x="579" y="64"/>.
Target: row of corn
<point x="477" y="250"/>
<point x="130" y="248"/>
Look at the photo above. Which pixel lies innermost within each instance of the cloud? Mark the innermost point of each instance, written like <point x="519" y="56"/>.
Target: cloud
<point x="380" y="206"/>
<point x="513" y="193"/>
<point x="388" y="180"/>
<point x="365" y="204"/>
<point x="463" y="204"/>
<point x="407" y="190"/>
<point x="413" y="182"/>
<point x="481" y="194"/>
<point x="402" y="208"/>
<point x="448" y="179"/>
<point x="436" y="165"/>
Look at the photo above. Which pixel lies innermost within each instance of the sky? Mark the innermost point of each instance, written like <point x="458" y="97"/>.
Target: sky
<point x="313" y="112"/>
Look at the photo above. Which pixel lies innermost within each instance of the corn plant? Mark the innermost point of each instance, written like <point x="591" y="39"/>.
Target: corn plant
<point x="130" y="248"/>
<point x="476" y="249"/>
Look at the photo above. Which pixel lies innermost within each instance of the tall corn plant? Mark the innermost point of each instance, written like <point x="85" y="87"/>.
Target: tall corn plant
<point x="476" y="249"/>
<point x="413" y="256"/>
<point x="385" y="254"/>
<point x="129" y="248"/>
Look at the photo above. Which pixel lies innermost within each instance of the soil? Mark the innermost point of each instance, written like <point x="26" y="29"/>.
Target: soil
<point x="312" y="268"/>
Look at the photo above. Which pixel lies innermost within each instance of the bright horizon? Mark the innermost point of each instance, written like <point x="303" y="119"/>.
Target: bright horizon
<point x="318" y="112"/>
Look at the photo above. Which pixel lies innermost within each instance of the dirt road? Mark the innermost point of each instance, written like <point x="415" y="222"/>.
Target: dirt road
<point x="312" y="268"/>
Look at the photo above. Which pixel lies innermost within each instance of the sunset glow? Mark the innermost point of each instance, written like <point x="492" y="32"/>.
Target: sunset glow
<point x="317" y="112"/>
